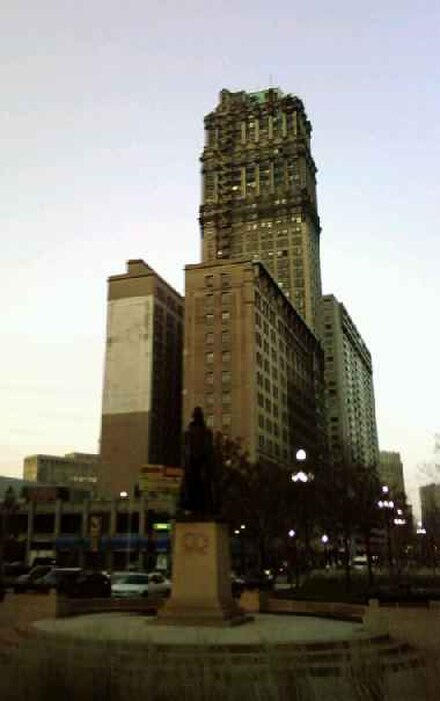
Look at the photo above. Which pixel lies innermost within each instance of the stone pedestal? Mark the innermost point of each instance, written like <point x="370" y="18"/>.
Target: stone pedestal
<point x="201" y="584"/>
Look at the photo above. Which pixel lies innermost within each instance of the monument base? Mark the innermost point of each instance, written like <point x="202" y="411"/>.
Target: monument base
<point x="201" y="583"/>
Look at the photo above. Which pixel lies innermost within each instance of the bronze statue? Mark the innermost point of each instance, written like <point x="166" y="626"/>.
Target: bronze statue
<point x="197" y="496"/>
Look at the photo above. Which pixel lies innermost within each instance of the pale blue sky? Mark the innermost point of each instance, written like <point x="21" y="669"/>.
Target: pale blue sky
<point x="101" y="129"/>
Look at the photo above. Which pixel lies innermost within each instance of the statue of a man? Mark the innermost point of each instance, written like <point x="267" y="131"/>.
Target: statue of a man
<point x="197" y="492"/>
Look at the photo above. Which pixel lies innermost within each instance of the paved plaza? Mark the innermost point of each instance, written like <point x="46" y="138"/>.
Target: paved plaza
<point x="121" y="627"/>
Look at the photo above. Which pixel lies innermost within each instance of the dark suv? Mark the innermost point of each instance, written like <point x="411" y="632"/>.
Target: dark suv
<point x="87" y="585"/>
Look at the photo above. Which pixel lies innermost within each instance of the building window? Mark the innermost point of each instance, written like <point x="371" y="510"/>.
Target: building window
<point x="226" y="315"/>
<point x="209" y="338"/>
<point x="210" y="420"/>
<point x="226" y="398"/>
<point x="226" y="337"/>
<point x="225" y="280"/>
<point x="226" y="376"/>
<point x="209" y="377"/>
<point x="261" y="420"/>
<point x="209" y="358"/>
<point x="226" y="420"/>
<point x="209" y="280"/>
<point x="209" y="319"/>
<point x="209" y="398"/>
<point x="226" y="356"/>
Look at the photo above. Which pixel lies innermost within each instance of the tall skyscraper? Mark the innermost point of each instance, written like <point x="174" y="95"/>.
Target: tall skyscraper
<point x="351" y="414"/>
<point x="251" y="362"/>
<point x="259" y="191"/>
<point x="141" y="408"/>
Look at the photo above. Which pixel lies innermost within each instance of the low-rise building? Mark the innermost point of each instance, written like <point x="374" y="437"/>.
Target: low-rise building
<point x="73" y="469"/>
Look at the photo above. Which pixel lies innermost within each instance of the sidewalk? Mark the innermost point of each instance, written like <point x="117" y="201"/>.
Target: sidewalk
<point x="17" y="614"/>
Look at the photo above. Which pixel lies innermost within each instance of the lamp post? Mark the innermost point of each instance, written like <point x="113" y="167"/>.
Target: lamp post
<point x="388" y="506"/>
<point x="124" y="495"/>
<point x="302" y="477"/>
<point x="239" y="532"/>
<point x="324" y="541"/>
<point x="421" y="544"/>
<point x="399" y="521"/>
<point x="292" y="542"/>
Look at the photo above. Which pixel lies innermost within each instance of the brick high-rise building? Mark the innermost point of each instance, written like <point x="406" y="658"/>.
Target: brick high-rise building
<point x="259" y="192"/>
<point x="141" y="410"/>
<point x="251" y="362"/>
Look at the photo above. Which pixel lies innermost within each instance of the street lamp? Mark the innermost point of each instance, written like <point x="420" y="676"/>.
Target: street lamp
<point x="388" y="506"/>
<point x="324" y="541"/>
<point x="292" y="542"/>
<point x="302" y="477"/>
<point x="124" y="495"/>
<point x="240" y="532"/>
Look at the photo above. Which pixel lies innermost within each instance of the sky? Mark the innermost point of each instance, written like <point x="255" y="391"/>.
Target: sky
<point x="101" y="115"/>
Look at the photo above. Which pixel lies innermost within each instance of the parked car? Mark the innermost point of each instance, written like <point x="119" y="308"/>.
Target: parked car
<point x="12" y="570"/>
<point x="360" y="562"/>
<point x="128" y="584"/>
<point x="56" y="578"/>
<point x="26" y="582"/>
<point x="259" y="580"/>
<point x="87" y="585"/>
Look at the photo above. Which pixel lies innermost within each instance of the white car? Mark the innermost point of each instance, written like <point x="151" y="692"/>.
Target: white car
<point x="360" y="562"/>
<point x="132" y="584"/>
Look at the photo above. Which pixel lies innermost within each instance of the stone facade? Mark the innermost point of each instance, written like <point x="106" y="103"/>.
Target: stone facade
<point x="251" y="362"/>
<point x="259" y="191"/>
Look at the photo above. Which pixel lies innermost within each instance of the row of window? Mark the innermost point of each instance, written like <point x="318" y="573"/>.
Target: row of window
<point x="225" y="280"/>
<point x="254" y="128"/>
<point x="225" y="356"/>
<point x="225" y="377"/>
